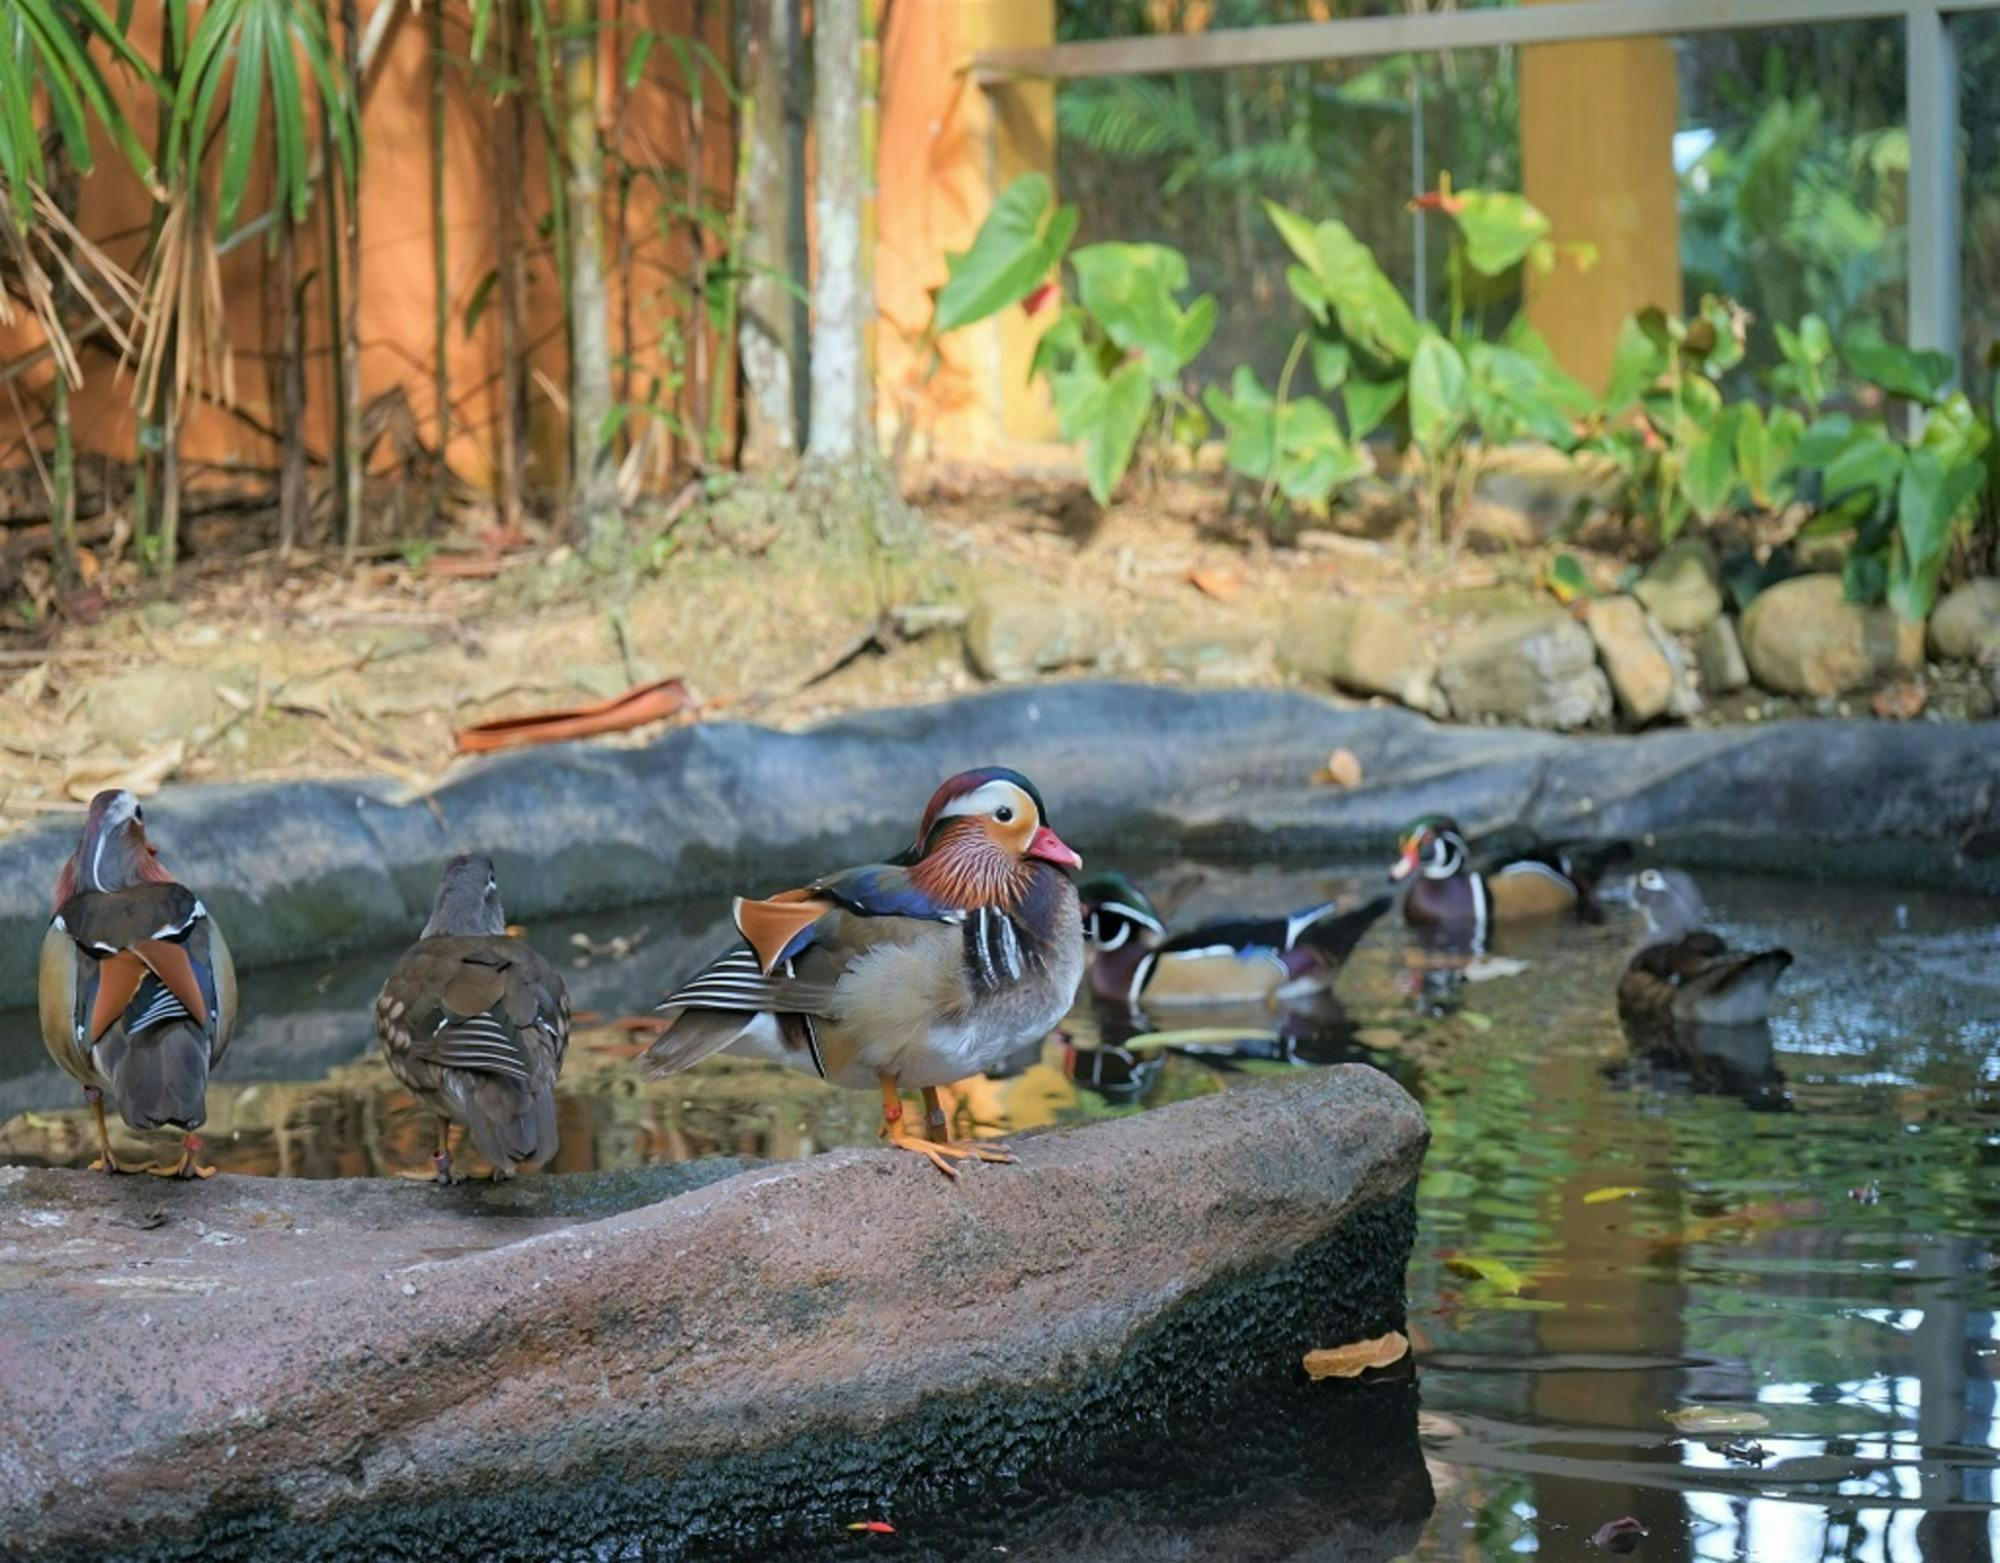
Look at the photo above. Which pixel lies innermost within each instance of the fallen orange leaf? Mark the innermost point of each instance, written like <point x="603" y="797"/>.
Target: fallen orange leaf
<point x="1902" y="702"/>
<point x="1222" y="585"/>
<point x="644" y="703"/>
<point x="1357" y="1357"/>
<point x="874" y="1527"/>
<point x="1342" y="769"/>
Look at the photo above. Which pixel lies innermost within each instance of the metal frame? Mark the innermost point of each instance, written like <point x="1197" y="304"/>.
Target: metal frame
<point x="1931" y="82"/>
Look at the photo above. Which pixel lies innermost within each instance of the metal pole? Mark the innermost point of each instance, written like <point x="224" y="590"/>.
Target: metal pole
<point x="1931" y="67"/>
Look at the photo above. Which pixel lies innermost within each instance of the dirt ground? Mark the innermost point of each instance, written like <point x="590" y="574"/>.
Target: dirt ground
<point x="248" y="668"/>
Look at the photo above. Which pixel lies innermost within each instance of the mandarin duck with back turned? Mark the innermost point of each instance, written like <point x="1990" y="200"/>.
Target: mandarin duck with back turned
<point x="138" y="993"/>
<point x="912" y="974"/>
<point x="1447" y="891"/>
<point x="1683" y="973"/>
<point x="1135" y="962"/>
<point x="476" y="1023"/>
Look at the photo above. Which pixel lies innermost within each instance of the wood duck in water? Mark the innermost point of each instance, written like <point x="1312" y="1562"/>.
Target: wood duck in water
<point x="138" y="993"/>
<point x="476" y="1023"/>
<point x="1135" y="963"/>
<point x="1448" y="892"/>
<point x="911" y="974"/>
<point x="1682" y="972"/>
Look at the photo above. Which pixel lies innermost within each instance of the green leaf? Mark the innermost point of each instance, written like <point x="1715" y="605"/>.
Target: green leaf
<point x="1708" y="470"/>
<point x="1107" y="415"/>
<point x="1129" y="290"/>
<point x="1764" y="450"/>
<point x="1300" y="447"/>
<point x="1338" y="276"/>
<point x="1514" y="395"/>
<point x="1928" y="505"/>
<point x="476" y="305"/>
<point x="1920" y="376"/>
<point x="1498" y="227"/>
<point x="1870" y="463"/>
<point x="1440" y="393"/>
<point x="1636" y="362"/>
<point x="635" y="57"/>
<point x="1331" y="361"/>
<point x="1497" y="1273"/>
<point x="1011" y="253"/>
<point x="1370" y="403"/>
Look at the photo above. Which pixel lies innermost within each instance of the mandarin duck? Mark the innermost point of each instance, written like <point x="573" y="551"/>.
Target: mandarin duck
<point x="1134" y="962"/>
<point x="1684" y="973"/>
<point x="911" y="974"/>
<point x="1448" y="892"/>
<point x="475" y="1024"/>
<point x="138" y="993"/>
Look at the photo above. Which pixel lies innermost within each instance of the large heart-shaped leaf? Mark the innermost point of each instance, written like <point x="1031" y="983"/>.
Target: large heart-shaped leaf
<point x="1012" y="251"/>
<point x="1901" y="371"/>
<point x="1130" y="289"/>
<point x="1928" y="504"/>
<point x="1498" y="227"/>
<point x="1107" y="414"/>
<point x="1338" y="278"/>
<point x="1636" y="362"/>
<point x="1764" y="450"/>
<point x="1708" y="466"/>
<point x="1299" y="447"/>
<point x="1440" y="393"/>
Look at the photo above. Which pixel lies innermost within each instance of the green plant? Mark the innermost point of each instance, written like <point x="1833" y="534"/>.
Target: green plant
<point x="1115" y="355"/>
<point x="1447" y="396"/>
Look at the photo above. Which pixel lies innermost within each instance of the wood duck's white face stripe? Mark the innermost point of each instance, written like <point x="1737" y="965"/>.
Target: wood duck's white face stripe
<point x="1132" y="914"/>
<point x="1115" y="941"/>
<point x="1444" y="856"/>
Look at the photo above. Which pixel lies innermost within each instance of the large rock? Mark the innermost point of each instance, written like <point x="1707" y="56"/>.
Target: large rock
<point x="1965" y="626"/>
<point x="1719" y="654"/>
<point x="1204" y="649"/>
<point x="1803" y="637"/>
<point x="262" y="1368"/>
<point x="153" y="704"/>
<point x="1539" y="668"/>
<point x="1642" y="661"/>
<point x="1016" y="632"/>
<point x="1363" y="646"/>
<point x="1683" y="587"/>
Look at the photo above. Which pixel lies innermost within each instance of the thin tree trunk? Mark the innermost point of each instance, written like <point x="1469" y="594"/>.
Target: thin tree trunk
<point x="838" y="337"/>
<point x="765" y="335"/>
<point x="798" y="249"/>
<point x="169" y="413"/>
<point x="620" y="109"/>
<point x="744" y="48"/>
<point x="292" y="467"/>
<point x="593" y="482"/>
<point x="508" y="159"/>
<point x="350" y="335"/>
<point x="440" y="271"/>
<point x="696" y="190"/>
<point x="149" y="499"/>
<point x="336" y="321"/>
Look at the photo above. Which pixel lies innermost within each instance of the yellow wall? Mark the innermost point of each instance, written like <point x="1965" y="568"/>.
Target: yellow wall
<point x="1597" y="128"/>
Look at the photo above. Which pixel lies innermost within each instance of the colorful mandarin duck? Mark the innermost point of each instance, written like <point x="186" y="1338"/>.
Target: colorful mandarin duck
<point x="1449" y="893"/>
<point x="475" y="1023"/>
<point x="1133" y="962"/>
<point x="138" y="994"/>
<point x="911" y="974"/>
<point x="1684" y="973"/>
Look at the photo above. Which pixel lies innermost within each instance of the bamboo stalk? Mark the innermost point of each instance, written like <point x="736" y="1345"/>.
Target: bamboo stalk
<point x="350" y="334"/>
<point x="696" y="187"/>
<point x="593" y="497"/>
<point x="508" y="157"/>
<point x="620" y="109"/>
<point x="336" y="319"/>
<point x="440" y="268"/>
<point x="292" y="350"/>
<point x="739" y="228"/>
<point x="62" y="497"/>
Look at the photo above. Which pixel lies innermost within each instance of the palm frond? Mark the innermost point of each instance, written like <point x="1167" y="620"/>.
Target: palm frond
<point x="1129" y="118"/>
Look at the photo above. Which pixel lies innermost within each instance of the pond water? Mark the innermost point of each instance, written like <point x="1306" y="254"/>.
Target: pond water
<point x="1799" y="1228"/>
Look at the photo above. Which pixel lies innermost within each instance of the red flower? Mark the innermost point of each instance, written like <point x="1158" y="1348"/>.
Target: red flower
<point x="1035" y="301"/>
<point x="1438" y="201"/>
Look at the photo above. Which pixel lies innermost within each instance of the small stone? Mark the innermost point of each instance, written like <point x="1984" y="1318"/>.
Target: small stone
<point x="1803" y="637"/>
<point x="1539" y="668"/>
<point x="163" y="615"/>
<point x="152" y="704"/>
<point x="1683" y="587"/>
<point x="1719" y="655"/>
<point x="1205" y="651"/>
<point x="1642" y="661"/>
<point x="1965" y="625"/>
<point x="1370" y="648"/>
<point x="409" y="1289"/>
<point x="1016" y="632"/>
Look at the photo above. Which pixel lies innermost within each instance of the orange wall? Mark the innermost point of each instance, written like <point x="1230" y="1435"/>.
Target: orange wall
<point x="397" y="296"/>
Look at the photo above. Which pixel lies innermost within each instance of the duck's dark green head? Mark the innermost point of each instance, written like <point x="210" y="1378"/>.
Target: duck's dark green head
<point x="1433" y="845"/>
<point x="1116" y="912"/>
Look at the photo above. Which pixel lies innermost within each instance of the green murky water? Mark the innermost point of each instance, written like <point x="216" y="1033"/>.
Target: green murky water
<point x="1798" y="1228"/>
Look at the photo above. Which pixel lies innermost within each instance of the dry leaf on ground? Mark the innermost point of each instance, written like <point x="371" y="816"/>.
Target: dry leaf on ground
<point x="1222" y="585"/>
<point x="1342" y="769"/>
<point x="141" y="777"/>
<point x="1902" y="702"/>
<point x="1357" y="1357"/>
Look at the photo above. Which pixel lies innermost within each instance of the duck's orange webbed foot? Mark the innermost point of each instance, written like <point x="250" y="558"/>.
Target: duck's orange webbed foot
<point x="189" y="1165"/>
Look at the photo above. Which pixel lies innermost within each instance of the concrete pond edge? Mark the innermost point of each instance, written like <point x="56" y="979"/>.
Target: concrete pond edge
<point x="770" y="1354"/>
<point x="306" y="869"/>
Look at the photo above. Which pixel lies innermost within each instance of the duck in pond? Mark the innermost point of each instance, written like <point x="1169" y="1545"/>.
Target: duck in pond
<point x="907" y="975"/>
<point x="476" y="1023"/>
<point x="1448" y="893"/>
<point x="138" y="993"/>
<point x="1136" y="963"/>
<point x="1686" y="975"/>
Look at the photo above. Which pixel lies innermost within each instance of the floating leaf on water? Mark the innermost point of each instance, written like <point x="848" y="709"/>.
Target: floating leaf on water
<point x="1716" y="1419"/>
<point x="1619" y="1535"/>
<point x="1477" y="1021"/>
<point x="1497" y="1273"/>
<point x="1605" y="1196"/>
<point x="1357" y="1357"/>
<point x="1342" y="769"/>
<point x="1228" y="1038"/>
<point x="1490" y="967"/>
<point x="874" y="1527"/>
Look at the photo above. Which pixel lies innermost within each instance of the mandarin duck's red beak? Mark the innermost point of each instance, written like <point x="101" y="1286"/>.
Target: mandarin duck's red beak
<point x="1050" y="848"/>
<point x="1406" y="865"/>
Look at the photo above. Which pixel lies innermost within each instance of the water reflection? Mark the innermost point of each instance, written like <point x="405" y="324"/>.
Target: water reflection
<point x="1796" y="1223"/>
